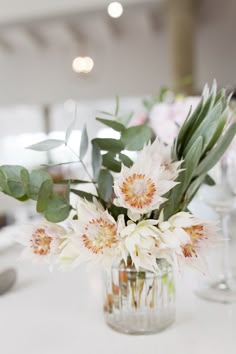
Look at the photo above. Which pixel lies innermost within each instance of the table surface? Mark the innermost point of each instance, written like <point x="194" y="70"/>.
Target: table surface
<point x="61" y="313"/>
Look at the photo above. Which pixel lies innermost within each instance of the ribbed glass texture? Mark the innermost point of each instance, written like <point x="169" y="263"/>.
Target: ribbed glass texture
<point x="139" y="302"/>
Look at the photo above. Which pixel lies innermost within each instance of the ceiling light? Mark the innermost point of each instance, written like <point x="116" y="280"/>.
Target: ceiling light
<point x="115" y="9"/>
<point x="83" y="65"/>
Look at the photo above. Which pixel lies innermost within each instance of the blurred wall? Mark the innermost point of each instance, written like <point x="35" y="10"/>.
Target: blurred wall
<point x="133" y="61"/>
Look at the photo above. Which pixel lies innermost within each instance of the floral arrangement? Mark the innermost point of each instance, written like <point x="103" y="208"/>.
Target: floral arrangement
<point x="136" y="209"/>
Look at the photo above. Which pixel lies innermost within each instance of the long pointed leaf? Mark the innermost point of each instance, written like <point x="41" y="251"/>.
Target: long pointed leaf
<point x="117" y="106"/>
<point x="207" y="127"/>
<point x="83" y="144"/>
<point x="217" y="152"/>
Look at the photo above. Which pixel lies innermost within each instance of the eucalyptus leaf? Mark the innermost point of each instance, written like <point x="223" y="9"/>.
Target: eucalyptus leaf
<point x="109" y="161"/>
<point x="71" y="127"/>
<point x="96" y="160"/>
<point x="3" y="181"/>
<point x="46" y="145"/>
<point x="67" y="193"/>
<point x="125" y="119"/>
<point x="105" y="185"/>
<point x="134" y="138"/>
<point x="125" y="160"/>
<point x="112" y="124"/>
<point x="83" y="194"/>
<point x="25" y="179"/>
<point x="57" y="210"/>
<point x="107" y="144"/>
<point x="72" y="181"/>
<point x="83" y="143"/>
<point x="11" y="181"/>
<point x="37" y="177"/>
<point x="45" y="192"/>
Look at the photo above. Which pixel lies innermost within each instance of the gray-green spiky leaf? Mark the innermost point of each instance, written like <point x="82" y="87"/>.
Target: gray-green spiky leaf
<point x="83" y="143"/>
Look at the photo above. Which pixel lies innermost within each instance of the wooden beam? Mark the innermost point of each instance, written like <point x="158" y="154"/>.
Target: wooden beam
<point x="77" y="35"/>
<point x="6" y="45"/>
<point x="36" y="37"/>
<point x="181" y="36"/>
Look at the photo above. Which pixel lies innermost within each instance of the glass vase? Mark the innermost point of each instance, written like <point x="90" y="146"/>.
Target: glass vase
<point x="139" y="302"/>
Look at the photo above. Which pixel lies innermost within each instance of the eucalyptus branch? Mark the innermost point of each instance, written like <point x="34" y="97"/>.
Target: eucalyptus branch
<point x="84" y="166"/>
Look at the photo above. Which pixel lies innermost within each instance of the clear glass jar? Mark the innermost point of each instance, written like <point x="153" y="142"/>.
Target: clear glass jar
<point x="139" y="302"/>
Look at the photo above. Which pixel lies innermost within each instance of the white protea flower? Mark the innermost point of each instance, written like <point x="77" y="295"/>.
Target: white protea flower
<point x="187" y="236"/>
<point x="141" y="242"/>
<point x="69" y="254"/>
<point x="161" y="154"/>
<point x="42" y="240"/>
<point x="140" y="189"/>
<point x="94" y="237"/>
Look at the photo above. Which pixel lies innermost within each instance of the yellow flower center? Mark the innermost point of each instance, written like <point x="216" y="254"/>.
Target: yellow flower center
<point x="40" y="242"/>
<point x="99" y="235"/>
<point x="138" y="190"/>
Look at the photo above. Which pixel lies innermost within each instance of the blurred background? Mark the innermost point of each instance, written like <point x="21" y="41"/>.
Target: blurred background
<point x="56" y="55"/>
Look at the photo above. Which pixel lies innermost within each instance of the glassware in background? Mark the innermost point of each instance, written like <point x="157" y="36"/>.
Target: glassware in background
<point x="7" y="280"/>
<point x="222" y="198"/>
<point x="139" y="302"/>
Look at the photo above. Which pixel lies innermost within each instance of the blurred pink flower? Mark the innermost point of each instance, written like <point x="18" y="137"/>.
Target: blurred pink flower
<point x="138" y="119"/>
<point x="165" y="118"/>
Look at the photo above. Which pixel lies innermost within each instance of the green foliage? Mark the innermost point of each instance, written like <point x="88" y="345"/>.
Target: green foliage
<point x="202" y="140"/>
<point x="46" y="145"/>
<point x="18" y="183"/>
<point x="13" y="180"/>
<point x="107" y="144"/>
<point x="125" y="160"/>
<point x="71" y="128"/>
<point x="105" y="185"/>
<point x="57" y="210"/>
<point x="96" y="160"/>
<point x="109" y="161"/>
<point x="112" y="124"/>
<point x="83" y="194"/>
<point x="37" y="177"/>
<point x="44" y="195"/>
<point x="134" y="138"/>
<point x="83" y="144"/>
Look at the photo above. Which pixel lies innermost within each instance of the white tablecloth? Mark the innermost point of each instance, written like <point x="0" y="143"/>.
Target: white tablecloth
<point x="61" y="313"/>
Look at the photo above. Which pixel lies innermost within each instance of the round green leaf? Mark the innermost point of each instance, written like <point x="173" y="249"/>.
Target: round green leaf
<point x="134" y="138"/>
